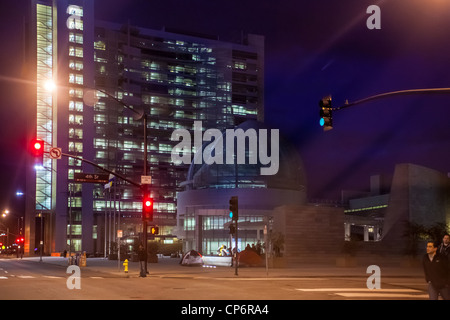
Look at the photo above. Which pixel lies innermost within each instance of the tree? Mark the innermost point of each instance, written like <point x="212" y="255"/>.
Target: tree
<point x="414" y="232"/>
<point x="436" y="231"/>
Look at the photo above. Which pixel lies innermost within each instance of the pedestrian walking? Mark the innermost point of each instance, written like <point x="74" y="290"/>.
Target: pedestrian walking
<point x="142" y="255"/>
<point x="444" y="247"/>
<point x="436" y="271"/>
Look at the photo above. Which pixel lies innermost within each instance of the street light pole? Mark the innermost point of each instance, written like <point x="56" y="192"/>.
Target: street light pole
<point x="144" y="191"/>
<point x="138" y="114"/>
<point x="144" y="187"/>
<point x="41" y="241"/>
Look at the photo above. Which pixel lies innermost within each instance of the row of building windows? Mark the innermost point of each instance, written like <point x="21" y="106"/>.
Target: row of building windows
<point x="216" y="222"/>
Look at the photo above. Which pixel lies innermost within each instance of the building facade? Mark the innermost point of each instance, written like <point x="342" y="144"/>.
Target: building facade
<point x="416" y="195"/>
<point x="203" y="206"/>
<point x="106" y="76"/>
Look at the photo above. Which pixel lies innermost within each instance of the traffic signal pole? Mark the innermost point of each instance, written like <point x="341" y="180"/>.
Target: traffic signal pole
<point x="236" y="253"/>
<point x="326" y="109"/>
<point x="144" y="193"/>
<point x="394" y="93"/>
<point x="234" y="215"/>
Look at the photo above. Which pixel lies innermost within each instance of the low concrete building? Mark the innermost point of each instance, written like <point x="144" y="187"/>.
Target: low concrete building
<point x="419" y="195"/>
<point x="416" y="195"/>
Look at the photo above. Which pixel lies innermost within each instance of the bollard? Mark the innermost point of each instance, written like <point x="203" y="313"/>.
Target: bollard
<point x="125" y="266"/>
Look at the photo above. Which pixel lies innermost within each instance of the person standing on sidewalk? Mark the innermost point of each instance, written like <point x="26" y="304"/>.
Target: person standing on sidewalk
<point x="436" y="271"/>
<point x="142" y="255"/>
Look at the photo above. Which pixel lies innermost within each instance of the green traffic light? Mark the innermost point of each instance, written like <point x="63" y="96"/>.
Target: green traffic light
<point x="322" y="122"/>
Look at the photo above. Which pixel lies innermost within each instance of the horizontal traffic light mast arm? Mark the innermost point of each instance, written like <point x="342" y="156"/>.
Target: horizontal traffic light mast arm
<point x="103" y="169"/>
<point x="393" y="93"/>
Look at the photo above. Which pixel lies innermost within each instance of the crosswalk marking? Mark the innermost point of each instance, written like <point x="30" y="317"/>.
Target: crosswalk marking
<point x="33" y="277"/>
<point x="381" y="295"/>
<point x="370" y="293"/>
<point x="255" y="279"/>
<point x="358" y="290"/>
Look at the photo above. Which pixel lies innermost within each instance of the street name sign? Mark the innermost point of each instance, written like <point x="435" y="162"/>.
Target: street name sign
<point x="91" y="177"/>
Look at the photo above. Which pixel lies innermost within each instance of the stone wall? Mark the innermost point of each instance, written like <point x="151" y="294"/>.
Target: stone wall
<point x="312" y="233"/>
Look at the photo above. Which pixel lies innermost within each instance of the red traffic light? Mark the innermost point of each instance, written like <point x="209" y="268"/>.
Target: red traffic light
<point x="148" y="203"/>
<point x="37" y="147"/>
<point x="19" y="240"/>
<point x="147" y="209"/>
<point x="37" y="150"/>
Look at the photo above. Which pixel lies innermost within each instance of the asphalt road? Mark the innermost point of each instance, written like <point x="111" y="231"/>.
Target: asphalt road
<point x="32" y="280"/>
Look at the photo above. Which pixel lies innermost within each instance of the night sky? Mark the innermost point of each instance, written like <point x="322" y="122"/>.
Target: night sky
<point x="313" y="48"/>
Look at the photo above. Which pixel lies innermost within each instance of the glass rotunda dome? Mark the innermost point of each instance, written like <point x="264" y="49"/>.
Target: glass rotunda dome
<point x="239" y="174"/>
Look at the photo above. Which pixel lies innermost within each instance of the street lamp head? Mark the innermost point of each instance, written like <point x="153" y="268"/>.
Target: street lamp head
<point x="49" y="85"/>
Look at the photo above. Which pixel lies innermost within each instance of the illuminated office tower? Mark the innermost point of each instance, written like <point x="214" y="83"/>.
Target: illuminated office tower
<point x="101" y="71"/>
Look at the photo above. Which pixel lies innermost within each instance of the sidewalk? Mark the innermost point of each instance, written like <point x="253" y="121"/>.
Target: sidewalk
<point x="170" y="267"/>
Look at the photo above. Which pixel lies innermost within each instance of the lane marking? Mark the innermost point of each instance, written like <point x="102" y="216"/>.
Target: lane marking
<point x="262" y="279"/>
<point x="382" y="295"/>
<point x="371" y="293"/>
<point x="359" y="290"/>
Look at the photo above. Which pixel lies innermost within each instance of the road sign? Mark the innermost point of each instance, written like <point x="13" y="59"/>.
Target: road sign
<point x="55" y="153"/>
<point x="91" y="177"/>
<point x="146" y="179"/>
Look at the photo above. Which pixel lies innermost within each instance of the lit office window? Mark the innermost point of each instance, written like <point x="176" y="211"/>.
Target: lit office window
<point x="75" y="133"/>
<point x="76" y="78"/>
<point x="75" y="119"/>
<point x="75" y="52"/>
<point x="76" y="106"/>
<point x="76" y="38"/>
<point x="76" y="93"/>
<point x="100" y="143"/>
<point x="76" y="65"/>
<point x="100" y="45"/>
<point x="75" y="147"/>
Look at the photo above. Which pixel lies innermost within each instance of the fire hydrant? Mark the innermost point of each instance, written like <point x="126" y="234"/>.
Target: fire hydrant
<point x="125" y="265"/>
